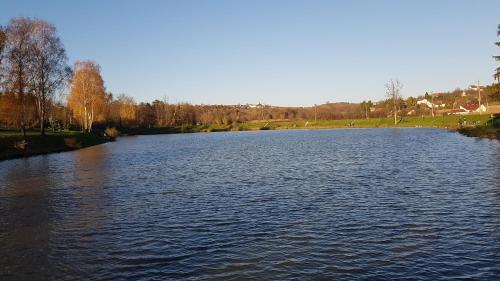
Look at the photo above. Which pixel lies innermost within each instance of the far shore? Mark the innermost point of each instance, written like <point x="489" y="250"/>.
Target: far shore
<point x="445" y="122"/>
<point x="13" y="146"/>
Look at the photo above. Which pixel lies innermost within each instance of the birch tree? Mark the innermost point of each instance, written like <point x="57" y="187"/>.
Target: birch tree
<point x="393" y="92"/>
<point x="87" y="95"/>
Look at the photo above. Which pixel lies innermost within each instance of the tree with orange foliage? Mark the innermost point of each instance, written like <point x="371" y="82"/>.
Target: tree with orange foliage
<point x="11" y="115"/>
<point x="87" y="95"/>
<point x="127" y="110"/>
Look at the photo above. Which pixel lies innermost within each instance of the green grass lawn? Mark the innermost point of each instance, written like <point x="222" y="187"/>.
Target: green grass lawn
<point x="427" y="121"/>
<point x="490" y="130"/>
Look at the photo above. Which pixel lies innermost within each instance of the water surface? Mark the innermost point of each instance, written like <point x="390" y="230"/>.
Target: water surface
<point x="372" y="204"/>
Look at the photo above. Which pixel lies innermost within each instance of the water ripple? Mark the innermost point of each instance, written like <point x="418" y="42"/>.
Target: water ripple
<point x="280" y="205"/>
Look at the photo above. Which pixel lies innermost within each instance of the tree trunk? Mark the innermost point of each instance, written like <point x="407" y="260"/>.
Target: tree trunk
<point x="42" y="114"/>
<point x="23" y="129"/>
<point x="42" y="123"/>
<point x="85" y="119"/>
<point x="395" y="116"/>
<point x="91" y="119"/>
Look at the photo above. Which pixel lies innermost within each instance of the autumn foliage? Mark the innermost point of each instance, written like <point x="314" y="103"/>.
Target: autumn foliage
<point x="86" y="99"/>
<point x="39" y="89"/>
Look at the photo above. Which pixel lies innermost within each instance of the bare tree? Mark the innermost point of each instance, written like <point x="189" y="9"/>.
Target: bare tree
<point x="497" y="58"/>
<point x="49" y="66"/>
<point x="17" y="70"/>
<point x="393" y="92"/>
<point x="3" y="41"/>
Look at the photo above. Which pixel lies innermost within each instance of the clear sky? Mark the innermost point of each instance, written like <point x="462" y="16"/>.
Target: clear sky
<point x="275" y="52"/>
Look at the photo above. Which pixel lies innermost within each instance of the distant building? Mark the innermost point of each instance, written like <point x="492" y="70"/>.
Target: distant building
<point x="259" y="105"/>
<point x="466" y="109"/>
<point x="473" y="108"/>
<point x="429" y="104"/>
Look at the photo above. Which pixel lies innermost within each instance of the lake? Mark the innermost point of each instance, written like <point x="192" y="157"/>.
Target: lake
<point x="372" y="204"/>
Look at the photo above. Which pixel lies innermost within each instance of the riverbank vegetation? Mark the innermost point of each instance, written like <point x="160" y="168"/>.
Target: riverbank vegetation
<point x="490" y="129"/>
<point x="14" y="145"/>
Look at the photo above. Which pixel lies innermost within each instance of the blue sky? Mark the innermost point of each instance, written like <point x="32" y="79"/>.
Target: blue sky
<point x="276" y="52"/>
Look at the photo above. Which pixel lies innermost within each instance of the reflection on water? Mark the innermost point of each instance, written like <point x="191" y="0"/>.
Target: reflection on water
<point x="344" y="204"/>
<point x="89" y="180"/>
<point x="31" y="205"/>
<point x="25" y="214"/>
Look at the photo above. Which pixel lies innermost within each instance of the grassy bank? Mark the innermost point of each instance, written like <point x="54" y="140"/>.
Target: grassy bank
<point x="426" y="122"/>
<point x="490" y="129"/>
<point x="13" y="146"/>
<point x="451" y="122"/>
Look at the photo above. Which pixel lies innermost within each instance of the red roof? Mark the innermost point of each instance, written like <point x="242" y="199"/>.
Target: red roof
<point x="471" y="107"/>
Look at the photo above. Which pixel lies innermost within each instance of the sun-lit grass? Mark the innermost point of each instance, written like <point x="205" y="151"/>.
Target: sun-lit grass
<point x="494" y="108"/>
<point x="426" y="121"/>
<point x="489" y="130"/>
<point x="413" y="122"/>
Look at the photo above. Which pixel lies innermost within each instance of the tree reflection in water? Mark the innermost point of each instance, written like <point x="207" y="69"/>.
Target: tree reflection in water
<point x="40" y="208"/>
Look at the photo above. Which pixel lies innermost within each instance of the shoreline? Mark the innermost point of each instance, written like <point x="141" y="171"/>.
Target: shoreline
<point x="489" y="130"/>
<point x="447" y="122"/>
<point x="13" y="147"/>
<point x="483" y="133"/>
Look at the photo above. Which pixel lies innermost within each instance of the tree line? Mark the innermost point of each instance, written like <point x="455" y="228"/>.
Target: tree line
<point x="39" y="89"/>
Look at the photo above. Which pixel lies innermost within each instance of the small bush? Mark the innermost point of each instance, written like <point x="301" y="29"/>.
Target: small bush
<point x="494" y="122"/>
<point x="111" y="133"/>
<point x="72" y="143"/>
<point x="219" y="129"/>
<point x="242" y="128"/>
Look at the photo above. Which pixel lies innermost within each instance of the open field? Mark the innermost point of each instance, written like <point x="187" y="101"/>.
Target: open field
<point x="427" y="121"/>
<point x="449" y="122"/>
<point x="494" y="108"/>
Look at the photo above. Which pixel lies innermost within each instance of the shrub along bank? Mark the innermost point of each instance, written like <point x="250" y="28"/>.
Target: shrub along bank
<point x="12" y="144"/>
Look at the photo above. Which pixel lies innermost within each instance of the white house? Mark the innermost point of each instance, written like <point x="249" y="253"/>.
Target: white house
<point x="429" y="104"/>
<point x="473" y="108"/>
